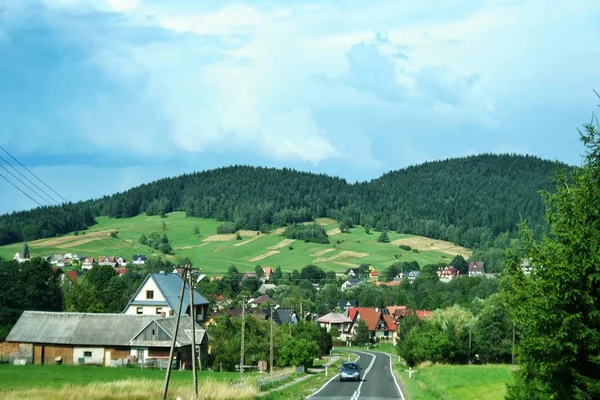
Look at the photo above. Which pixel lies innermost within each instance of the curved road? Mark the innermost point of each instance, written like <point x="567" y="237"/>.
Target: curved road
<point x="378" y="381"/>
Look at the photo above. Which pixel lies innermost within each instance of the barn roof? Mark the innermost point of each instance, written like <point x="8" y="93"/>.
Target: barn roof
<point x="184" y="334"/>
<point x="78" y="328"/>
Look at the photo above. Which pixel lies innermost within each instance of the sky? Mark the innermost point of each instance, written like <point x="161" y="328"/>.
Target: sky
<point x="97" y="96"/>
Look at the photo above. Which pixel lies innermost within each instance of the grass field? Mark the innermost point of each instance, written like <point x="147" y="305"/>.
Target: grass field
<point x="458" y="382"/>
<point x="215" y="253"/>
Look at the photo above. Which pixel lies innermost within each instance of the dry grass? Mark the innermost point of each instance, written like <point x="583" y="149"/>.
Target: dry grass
<point x="134" y="389"/>
<point x="219" y="238"/>
<point x="247" y="241"/>
<point x="325" y="221"/>
<point x="423" y="244"/>
<point x="334" y="232"/>
<point x="264" y="255"/>
<point x="69" y="241"/>
<point x="322" y="252"/>
<point x="346" y="264"/>
<point x="281" y="244"/>
<point x="249" y="233"/>
<point x="341" y="255"/>
<point x="278" y="231"/>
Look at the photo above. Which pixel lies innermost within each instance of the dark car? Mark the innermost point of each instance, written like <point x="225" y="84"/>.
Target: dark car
<point x="350" y="371"/>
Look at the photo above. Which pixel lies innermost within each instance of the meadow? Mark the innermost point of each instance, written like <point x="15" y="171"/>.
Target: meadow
<point x="195" y="239"/>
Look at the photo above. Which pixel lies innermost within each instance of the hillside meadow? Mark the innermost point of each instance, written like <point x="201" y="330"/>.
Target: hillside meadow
<point x="215" y="253"/>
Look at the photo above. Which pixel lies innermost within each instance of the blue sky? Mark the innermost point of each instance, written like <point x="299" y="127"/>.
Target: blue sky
<point x="97" y="96"/>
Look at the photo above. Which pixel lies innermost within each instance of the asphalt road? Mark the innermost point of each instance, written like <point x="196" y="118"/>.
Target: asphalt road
<point x="377" y="383"/>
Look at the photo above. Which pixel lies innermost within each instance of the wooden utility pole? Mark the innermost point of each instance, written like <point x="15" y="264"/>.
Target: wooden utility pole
<point x="271" y="347"/>
<point x="168" y="376"/>
<point x="193" y="318"/>
<point x="513" y="346"/>
<point x="242" y="346"/>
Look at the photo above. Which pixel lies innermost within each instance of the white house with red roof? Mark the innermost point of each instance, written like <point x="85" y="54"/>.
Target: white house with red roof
<point x="447" y="273"/>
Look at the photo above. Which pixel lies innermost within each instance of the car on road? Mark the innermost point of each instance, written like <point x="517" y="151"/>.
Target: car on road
<point x="350" y="371"/>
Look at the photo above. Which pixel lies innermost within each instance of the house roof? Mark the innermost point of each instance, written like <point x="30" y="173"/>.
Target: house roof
<point x="267" y="286"/>
<point x="282" y="315"/>
<point x="353" y="281"/>
<point x="370" y="315"/>
<point x="346" y="303"/>
<point x="138" y="257"/>
<point x="184" y="334"/>
<point x="263" y="299"/>
<point x="476" y="266"/>
<point x="355" y="271"/>
<point x="394" y="309"/>
<point x="72" y="276"/>
<point x="334" y="318"/>
<point x="78" y="328"/>
<point x="169" y="285"/>
<point x="389" y="322"/>
<point x="268" y="270"/>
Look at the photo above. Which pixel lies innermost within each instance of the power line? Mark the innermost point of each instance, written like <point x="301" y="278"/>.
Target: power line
<point x="28" y="180"/>
<point x="19" y="189"/>
<point x="24" y="184"/>
<point x="27" y="169"/>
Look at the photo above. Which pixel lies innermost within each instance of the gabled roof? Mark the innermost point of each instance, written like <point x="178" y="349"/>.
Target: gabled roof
<point x="72" y="276"/>
<point x="282" y="315"/>
<point x="268" y="270"/>
<point x="167" y="325"/>
<point x="334" y="318"/>
<point x="354" y="271"/>
<point x="370" y="315"/>
<point x="346" y="303"/>
<point x="263" y="299"/>
<point x="476" y="266"/>
<point x="169" y="285"/>
<point x="353" y="281"/>
<point x="78" y="328"/>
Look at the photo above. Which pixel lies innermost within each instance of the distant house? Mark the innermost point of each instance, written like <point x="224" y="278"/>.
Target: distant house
<point x="352" y="272"/>
<point x="55" y="259"/>
<point x="447" y="273"/>
<point x="121" y="261"/>
<point x="107" y="260"/>
<point x="346" y="304"/>
<point x="282" y="316"/>
<point x="261" y="301"/>
<point x="138" y="259"/>
<point x="374" y="274"/>
<point x="379" y="322"/>
<point x="102" y="339"/>
<point x="159" y="295"/>
<point x="338" y="320"/>
<point x="265" y="287"/>
<point x="23" y="255"/>
<point x="350" y="283"/>
<point x="476" y="268"/>
<point x="120" y="271"/>
<point x="88" y="263"/>
<point x="268" y="271"/>
<point x="64" y="262"/>
<point x="63" y="277"/>
<point x="526" y="266"/>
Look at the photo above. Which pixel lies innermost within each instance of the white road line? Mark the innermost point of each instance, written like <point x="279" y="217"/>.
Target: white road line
<point x="356" y="394"/>
<point x="323" y="387"/>
<point x="394" y="376"/>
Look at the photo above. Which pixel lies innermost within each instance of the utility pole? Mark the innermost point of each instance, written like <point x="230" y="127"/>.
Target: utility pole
<point x="193" y="318"/>
<point x="168" y="376"/>
<point x="513" y="346"/>
<point x="271" y="347"/>
<point x="469" y="343"/>
<point x="242" y="348"/>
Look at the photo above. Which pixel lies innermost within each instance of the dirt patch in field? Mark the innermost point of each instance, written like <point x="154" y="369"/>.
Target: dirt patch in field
<point x="423" y="244"/>
<point x="347" y="264"/>
<point x="190" y="247"/>
<point x="90" y="236"/>
<point x="246" y="241"/>
<point x="278" y="231"/>
<point x="341" y="255"/>
<point x="333" y="232"/>
<point x="322" y="252"/>
<point x="325" y="221"/>
<point x="283" y="243"/>
<point x="219" y="238"/>
<point x="264" y="255"/>
<point x="249" y="233"/>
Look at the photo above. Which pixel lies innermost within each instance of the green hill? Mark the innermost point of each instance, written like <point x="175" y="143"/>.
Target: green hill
<point x="468" y="201"/>
<point x="215" y="253"/>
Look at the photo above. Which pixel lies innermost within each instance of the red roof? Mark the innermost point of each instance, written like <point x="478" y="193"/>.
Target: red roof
<point x="72" y="276"/>
<point x="120" y="271"/>
<point x="374" y="273"/>
<point x="389" y="322"/>
<point x="423" y="313"/>
<point x="268" y="270"/>
<point x="370" y="315"/>
<point x="393" y="309"/>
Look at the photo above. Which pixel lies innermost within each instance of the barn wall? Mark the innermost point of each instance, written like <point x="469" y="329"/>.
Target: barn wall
<point x="96" y="357"/>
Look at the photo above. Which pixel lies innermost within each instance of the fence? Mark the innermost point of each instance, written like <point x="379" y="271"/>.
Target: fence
<point x="267" y="381"/>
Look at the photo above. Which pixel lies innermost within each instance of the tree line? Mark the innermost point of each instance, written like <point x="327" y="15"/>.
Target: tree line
<point x="469" y="201"/>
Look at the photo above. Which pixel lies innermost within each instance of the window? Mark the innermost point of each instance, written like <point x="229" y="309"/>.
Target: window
<point x="87" y="353"/>
<point x="149" y="294"/>
<point x="159" y="310"/>
<point x="170" y="313"/>
<point x="139" y="310"/>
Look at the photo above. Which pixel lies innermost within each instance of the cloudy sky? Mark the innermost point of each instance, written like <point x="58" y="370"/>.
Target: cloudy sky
<point x="97" y="96"/>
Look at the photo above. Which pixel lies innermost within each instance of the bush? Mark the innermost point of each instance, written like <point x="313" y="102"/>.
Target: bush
<point x="415" y="250"/>
<point x="383" y="238"/>
<point x="405" y="247"/>
<point x="226" y="228"/>
<point x="309" y="233"/>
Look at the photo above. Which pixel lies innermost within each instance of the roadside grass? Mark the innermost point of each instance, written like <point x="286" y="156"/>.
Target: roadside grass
<point x="215" y="257"/>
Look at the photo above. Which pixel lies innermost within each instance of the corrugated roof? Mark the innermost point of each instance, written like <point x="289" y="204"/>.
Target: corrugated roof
<point x="184" y="334"/>
<point x="78" y="328"/>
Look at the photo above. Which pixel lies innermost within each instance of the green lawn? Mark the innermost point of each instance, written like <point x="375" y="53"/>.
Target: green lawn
<point x="215" y="257"/>
<point x="458" y="382"/>
<point x="13" y="377"/>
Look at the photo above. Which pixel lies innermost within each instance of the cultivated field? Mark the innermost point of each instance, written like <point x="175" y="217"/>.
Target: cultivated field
<point x="215" y="253"/>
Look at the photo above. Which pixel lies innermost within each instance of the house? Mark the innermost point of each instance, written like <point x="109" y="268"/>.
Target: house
<point x="159" y="295"/>
<point x="526" y="266"/>
<point x="68" y="276"/>
<point x="138" y="259"/>
<point x="88" y="263"/>
<point x="346" y="304"/>
<point x="476" y="268"/>
<point x="55" y="259"/>
<point x="350" y="283"/>
<point x="102" y="339"/>
<point x="352" y="272"/>
<point x="412" y="275"/>
<point x="341" y="322"/>
<point x="282" y="316"/>
<point x="266" y="287"/>
<point x="120" y="271"/>
<point x="23" y="255"/>
<point x="268" y="271"/>
<point x="64" y="262"/>
<point x="447" y="273"/>
<point x="261" y="301"/>
<point x="374" y="274"/>
<point x="77" y="257"/>
<point x="379" y="322"/>
<point x="121" y="261"/>
<point x="107" y="260"/>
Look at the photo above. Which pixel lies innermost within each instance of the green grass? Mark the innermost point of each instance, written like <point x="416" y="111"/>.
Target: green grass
<point x="14" y="377"/>
<point x="458" y="382"/>
<point x="216" y="256"/>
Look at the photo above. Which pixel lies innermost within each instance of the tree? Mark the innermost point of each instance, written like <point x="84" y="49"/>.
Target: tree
<point x="363" y="335"/>
<point x="345" y="226"/>
<point x="99" y="276"/>
<point x="460" y="264"/>
<point x="260" y="272"/>
<point x="334" y="332"/>
<point x="238" y="236"/>
<point x="299" y="352"/>
<point x="367" y="229"/>
<point x="383" y="238"/>
<point x="556" y="307"/>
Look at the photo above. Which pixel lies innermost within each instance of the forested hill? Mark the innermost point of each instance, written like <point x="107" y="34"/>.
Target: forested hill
<point x="466" y="200"/>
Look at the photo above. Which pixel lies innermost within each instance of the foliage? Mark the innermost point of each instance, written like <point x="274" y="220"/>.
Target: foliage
<point x="31" y="286"/>
<point x="363" y="335"/>
<point x="556" y="307"/>
<point x="383" y="238"/>
<point x="298" y="352"/>
<point x="368" y="229"/>
<point x="405" y="247"/>
<point x="226" y="228"/>
<point x="308" y="232"/>
<point x="461" y="264"/>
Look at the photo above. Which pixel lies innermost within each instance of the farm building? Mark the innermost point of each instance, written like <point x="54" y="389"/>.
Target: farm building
<point x="102" y="339"/>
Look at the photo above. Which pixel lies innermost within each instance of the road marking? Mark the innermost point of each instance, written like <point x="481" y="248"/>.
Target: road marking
<point x="356" y="394"/>
<point x="394" y="376"/>
<point x="323" y="387"/>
